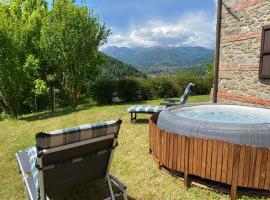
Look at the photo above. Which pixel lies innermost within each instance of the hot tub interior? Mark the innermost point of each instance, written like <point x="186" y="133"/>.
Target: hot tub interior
<point x="225" y="114"/>
<point x="232" y="123"/>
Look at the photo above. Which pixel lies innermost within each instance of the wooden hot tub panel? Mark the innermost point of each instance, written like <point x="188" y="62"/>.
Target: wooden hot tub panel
<point x="224" y="162"/>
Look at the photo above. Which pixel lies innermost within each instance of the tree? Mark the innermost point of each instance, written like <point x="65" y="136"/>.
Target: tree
<point x="209" y="69"/>
<point x="39" y="90"/>
<point x="70" y="39"/>
<point x="20" y="23"/>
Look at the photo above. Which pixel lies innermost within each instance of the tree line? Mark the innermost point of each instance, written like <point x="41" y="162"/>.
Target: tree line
<point x="42" y="48"/>
<point x="106" y="91"/>
<point x="48" y="51"/>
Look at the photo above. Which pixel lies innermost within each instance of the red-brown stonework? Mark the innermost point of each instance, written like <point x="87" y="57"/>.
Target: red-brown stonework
<point x="224" y="96"/>
<point x="246" y="3"/>
<point x="241" y="36"/>
<point x="239" y="68"/>
<point x="240" y="53"/>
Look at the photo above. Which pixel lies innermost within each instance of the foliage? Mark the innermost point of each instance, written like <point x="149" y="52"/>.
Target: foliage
<point x="146" y="91"/>
<point x="4" y="116"/>
<point x="209" y="69"/>
<point x="131" y="88"/>
<point x="163" y="87"/>
<point x="36" y="42"/>
<point x="104" y="90"/>
<point x="197" y="70"/>
<point x="70" y="38"/>
<point x="203" y="84"/>
<point x="40" y="87"/>
<point x="128" y="89"/>
<point x="20" y="23"/>
<point x="111" y="68"/>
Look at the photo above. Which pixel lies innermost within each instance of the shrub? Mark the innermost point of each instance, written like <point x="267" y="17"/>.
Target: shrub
<point x="163" y="87"/>
<point x="203" y="84"/>
<point x="4" y="116"/>
<point x="145" y="92"/>
<point x="128" y="89"/>
<point x="104" y="90"/>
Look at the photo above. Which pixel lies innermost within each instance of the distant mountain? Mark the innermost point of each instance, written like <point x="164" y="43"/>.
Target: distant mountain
<point x="113" y="68"/>
<point x="161" y="56"/>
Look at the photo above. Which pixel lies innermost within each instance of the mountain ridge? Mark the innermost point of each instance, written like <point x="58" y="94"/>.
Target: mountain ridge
<point x="161" y="56"/>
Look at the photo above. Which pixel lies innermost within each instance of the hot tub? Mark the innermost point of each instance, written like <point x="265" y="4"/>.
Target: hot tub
<point x="228" y="144"/>
<point x="233" y="123"/>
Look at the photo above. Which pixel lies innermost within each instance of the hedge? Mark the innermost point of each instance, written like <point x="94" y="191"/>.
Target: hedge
<point x="134" y="89"/>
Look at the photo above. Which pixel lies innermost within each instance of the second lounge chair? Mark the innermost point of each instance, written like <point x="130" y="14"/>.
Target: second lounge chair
<point x="145" y="109"/>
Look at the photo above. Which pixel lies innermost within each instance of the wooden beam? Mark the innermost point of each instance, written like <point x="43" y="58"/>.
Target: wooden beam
<point x="218" y="34"/>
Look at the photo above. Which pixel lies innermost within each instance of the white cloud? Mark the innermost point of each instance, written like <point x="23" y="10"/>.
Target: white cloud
<point x="192" y="29"/>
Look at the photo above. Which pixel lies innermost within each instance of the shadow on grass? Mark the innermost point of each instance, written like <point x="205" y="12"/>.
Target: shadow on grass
<point x="57" y="113"/>
<point x="220" y="187"/>
<point x="142" y="121"/>
<point x="68" y="110"/>
<point x="95" y="191"/>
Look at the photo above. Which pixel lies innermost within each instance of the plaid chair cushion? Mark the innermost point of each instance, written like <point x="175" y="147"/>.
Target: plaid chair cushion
<point x="146" y="109"/>
<point x="76" y="134"/>
<point x="32" y="157"/>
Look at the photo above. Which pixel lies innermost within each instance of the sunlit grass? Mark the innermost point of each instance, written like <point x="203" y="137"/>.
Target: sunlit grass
<point x="132" y="163"/>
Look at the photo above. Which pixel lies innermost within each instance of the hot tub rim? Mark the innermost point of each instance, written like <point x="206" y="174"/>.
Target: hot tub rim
<point x="219" y="125"/>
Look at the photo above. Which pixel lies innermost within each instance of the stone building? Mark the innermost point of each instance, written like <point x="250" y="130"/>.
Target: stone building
<point x="244" y="52"/>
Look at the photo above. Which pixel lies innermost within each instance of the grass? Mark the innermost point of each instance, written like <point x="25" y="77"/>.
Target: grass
<point x="132" y="163"/>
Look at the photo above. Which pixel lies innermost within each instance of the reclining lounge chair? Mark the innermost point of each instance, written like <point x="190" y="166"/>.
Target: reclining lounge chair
<point x="64" y="159"/>
<point x="145" y="109"/>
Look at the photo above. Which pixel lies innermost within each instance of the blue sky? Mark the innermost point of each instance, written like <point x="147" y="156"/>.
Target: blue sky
<point x="148" y="23"/>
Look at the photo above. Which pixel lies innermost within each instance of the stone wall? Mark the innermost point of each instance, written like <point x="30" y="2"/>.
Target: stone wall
<point x="240" y="53"/>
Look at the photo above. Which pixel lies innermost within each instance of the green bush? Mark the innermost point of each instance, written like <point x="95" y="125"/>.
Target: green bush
<point x="103" y="91"/>
<point x="128" y="89"/>
<point x="4" y="116"/>
<point x="163" y="87"/>
<point x="146" y="92"/>
<point x="203" y="84"/>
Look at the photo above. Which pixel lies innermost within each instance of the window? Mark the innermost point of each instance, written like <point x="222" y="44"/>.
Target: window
<point x="265" y="54"/>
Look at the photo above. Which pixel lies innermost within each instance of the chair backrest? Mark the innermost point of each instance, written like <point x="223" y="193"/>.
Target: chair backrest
<point x="186" y="94"/>
<point x="70" y="157"/>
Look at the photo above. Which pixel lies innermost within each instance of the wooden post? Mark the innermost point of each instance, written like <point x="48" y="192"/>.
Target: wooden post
<point x="160" y="133"/>
<point x="218" y="34"/>
<point x="36" y="103"/>
<point x="54" y="103"/>
<point x="236" y="158"/>
<point x="151" y="127"/>
<point x="187" y="141"/>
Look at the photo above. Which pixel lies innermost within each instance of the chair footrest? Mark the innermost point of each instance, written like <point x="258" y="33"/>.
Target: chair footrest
<point x="145" y="109"/>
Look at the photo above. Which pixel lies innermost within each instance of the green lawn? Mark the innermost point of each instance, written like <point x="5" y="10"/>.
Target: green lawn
<point x="132" y="163"/>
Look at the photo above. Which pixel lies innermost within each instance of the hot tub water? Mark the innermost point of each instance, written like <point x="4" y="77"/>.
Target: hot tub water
<point x="225" y="114"/>
<point x="233" y="123"/>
